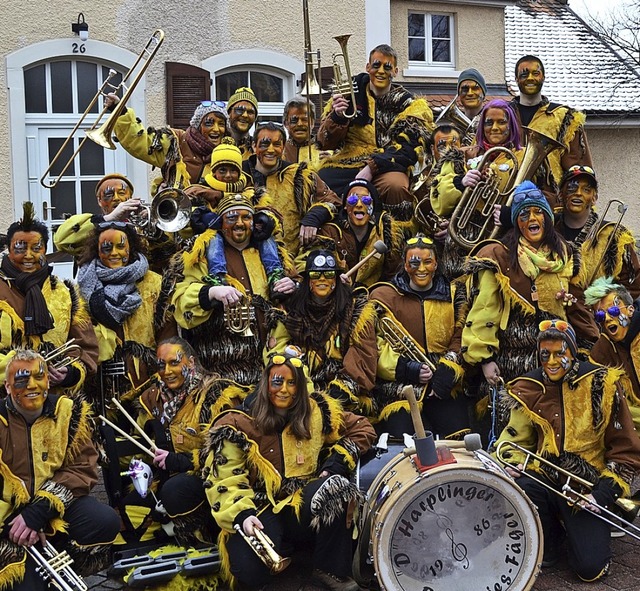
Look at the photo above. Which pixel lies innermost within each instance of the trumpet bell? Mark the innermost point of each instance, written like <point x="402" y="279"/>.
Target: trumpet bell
<point x="171" y="210"/>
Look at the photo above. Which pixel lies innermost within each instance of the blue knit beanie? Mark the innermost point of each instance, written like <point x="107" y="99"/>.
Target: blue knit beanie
<point x="528" y="195"/>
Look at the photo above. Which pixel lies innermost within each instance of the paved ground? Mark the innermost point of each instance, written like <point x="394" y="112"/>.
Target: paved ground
<point x="624" y="575"/>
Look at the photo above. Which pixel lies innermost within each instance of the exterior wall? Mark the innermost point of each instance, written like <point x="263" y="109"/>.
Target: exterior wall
<point x="613" y="149"/>
<point x="476" y="44"/>
<point x="208" y="29"/>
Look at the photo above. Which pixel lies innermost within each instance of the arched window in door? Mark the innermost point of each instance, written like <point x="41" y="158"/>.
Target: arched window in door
<point x="268" y="88"/>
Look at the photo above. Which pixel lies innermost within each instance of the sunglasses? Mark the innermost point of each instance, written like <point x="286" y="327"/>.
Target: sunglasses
<point x="353" y="199"/>
<point x="600" y="315"/>
<point x="112" y="225"/>
<point x="280" y="359"/>
<point x="243" y="110"/>
<point x="212" y="103"/>
<point x="420" y="240"/>
<point x="561" y="325"/>
<point x="578" y="168"/>
<point x="464" y="89"/>
<point x="317" y="274"/>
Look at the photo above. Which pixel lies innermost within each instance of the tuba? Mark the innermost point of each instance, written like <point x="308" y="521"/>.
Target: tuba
<point x="239" y="317"/>
<point x="55" y="566"/>
<point x="343" y="83"/>
<point x="472" y="219"/>
<point x="262" y="545"/>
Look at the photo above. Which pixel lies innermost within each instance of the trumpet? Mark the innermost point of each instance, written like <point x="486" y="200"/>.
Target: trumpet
<point x="430" y="221"/>
<point x="64" y="355"/>
<point x="402" y="342"/>
<point x="575" y="489"/>
<point x="262" y="545"/>
<point x="55" y="566"/>
<point x="343" y="84"/>
<point x="239" y="317"/>
<point x="102" y="135"/>
<point x="481" y="199"/>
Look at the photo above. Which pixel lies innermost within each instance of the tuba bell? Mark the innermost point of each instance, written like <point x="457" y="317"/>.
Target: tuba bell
<point x="453" y="113"/>
<point x="467" y="229"/>
<point x="170" y="210"/>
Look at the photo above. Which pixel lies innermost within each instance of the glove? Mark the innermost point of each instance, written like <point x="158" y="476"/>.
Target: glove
<point x="443" y="381"/>
<point x="408" y="371"/>
<point x="263" y="226"/>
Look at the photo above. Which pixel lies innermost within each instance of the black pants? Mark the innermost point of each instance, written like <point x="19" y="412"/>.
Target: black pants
<point x="588" y="537"/>
<point x="332" y="543"/>
<point x="90" y="523"/>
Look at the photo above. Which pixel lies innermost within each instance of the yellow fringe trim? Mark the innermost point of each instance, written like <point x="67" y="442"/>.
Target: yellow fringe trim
<point x="346" y="455"/>
<point x="198" y="250"/>
<point x="15" y="485"/>
<point x="15" y="319"/>
<point x="456" y="367"/>
<point x="391" y="408"/>
<point x="225" y="562"/>
<point x="53" y="500"/>
<point x="84" y="432"/>
<point x="12" y="574"/>
<point x="365" y="320"/>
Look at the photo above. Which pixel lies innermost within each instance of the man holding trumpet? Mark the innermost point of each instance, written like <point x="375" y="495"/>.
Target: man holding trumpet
<point x="48" y="465"/>
<point x="572" y="415"/>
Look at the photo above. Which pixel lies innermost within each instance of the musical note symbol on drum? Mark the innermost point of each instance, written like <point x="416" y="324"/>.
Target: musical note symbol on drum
<point x="458" y="551"/>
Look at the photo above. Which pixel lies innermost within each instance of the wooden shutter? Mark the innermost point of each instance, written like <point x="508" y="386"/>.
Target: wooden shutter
<point x="186" y="86"/>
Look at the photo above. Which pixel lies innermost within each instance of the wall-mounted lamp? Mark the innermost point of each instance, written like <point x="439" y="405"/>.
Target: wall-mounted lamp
<point x="81" y="28"/>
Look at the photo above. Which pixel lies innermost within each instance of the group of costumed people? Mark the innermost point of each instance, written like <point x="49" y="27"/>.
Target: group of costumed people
<point x="258" y="352"/>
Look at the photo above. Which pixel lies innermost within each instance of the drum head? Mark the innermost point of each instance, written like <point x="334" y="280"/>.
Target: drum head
<point x="457" y="529"/>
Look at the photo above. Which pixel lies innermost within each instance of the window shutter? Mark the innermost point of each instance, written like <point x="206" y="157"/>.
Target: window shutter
<point x="186" y="86"/>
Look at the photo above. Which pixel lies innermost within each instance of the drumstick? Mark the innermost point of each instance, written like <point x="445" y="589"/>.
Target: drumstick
<point x="379" y="248"/>
<point x="126" y="435"/>
<point x="133" y="422"/>
<point x="409" y="394"/>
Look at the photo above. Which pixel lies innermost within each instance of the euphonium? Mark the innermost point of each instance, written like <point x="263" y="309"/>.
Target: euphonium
<point x="402" y="342"/>
<point x="262" y="545"/>
<point x="55" y="566"/>
<point x="480" y="200"/>
<point x="454" y="114"/>
<point x="239" y="317"/>
<point x="64" y="355"/>
<point x="343" y="84"/>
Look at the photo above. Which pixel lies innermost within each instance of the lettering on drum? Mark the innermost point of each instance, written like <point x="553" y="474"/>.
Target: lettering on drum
<point x="468" y="533"/>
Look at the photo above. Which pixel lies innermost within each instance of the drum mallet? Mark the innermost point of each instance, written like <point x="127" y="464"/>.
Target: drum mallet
<point x="425" y="446"/>
<point x="379" y="248"/>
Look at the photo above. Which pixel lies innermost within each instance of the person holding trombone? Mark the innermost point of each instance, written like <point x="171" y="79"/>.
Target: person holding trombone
<point x="571" y="417"/>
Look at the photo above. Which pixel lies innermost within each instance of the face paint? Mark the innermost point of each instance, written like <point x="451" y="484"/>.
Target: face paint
<point x="174" y="367"/>
<point x="282" y="387"/>
<point x="299" y="125"/>
<point x="213" y="127"/>
<point x="226" y="174"/>
<point x="27" y="251"/>
<point x="530" y="77"/>
<point x="615" y="326"/>
<point x="556" y="359"/>
<point x="242" y="116"/>
<point x="237" y="225"/>
<point x="269" y="146"/>
<point x="578" y="195"/>
<point x="442" y="141"/>
<point x="382" y="69"/>
<point x="112" y="192"/>
<point x="420" y="264"/>
<point x="113" y="248"/>
<point x="322" y="285"/>
<point x="358" y="212"/>
<point x="496" y="127"/>
<point x="28" y="384"/>
<point x="531" y="223"/>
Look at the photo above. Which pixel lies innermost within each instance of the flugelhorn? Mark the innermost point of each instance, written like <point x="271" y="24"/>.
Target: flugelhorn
<point x="262" y="545"/>
<point x="239" y="317"/>
<point x="170" y="211"/>
<point x="466" y="231"/>
<point x="55" y="567"/>
<point x="343" y="84"/>
<point x="64" y="355"/>
<point x="92" y="133"/>
<point x="574" y="489"/>
<point x="402" y="342"/>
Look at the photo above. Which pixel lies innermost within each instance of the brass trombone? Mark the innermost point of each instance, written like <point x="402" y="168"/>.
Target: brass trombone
<point x="55" y="566"/>
<point x="573" y="490"/>
<point x="64" y="355"/>
<point x="262" y="545"/>
<point x="102" y="135"/>
<point x="343" y="84"/>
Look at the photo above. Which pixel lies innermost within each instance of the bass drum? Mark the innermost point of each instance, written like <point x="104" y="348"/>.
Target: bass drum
<point x="459" y="525"/>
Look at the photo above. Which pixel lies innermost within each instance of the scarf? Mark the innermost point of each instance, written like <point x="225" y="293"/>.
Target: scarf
<point x="199" y="144"/>
<point x="112" y="293"/>
<point x="172" y="401"/>
<point x="37" y="318"/>
<point x="534" y="261"/>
